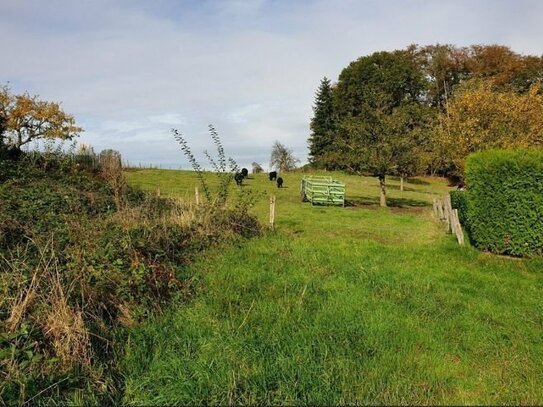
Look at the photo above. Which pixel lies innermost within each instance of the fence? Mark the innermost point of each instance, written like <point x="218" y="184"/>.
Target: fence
<point x="445" y="213"/>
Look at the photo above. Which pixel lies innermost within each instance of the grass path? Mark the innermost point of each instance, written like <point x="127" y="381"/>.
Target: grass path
<point x="344" y="305"/>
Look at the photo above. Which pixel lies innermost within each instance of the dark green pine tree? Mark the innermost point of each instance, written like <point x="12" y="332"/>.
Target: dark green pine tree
<point x="322" y="124"/>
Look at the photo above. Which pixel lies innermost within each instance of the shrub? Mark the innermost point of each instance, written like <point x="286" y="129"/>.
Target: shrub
<point x="505" y="201"/>
<point x="86" y="257"/>
<point x="459" y="201"/>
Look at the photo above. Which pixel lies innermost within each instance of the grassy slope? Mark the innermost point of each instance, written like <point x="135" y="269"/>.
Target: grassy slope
<point x="345" y="305"/>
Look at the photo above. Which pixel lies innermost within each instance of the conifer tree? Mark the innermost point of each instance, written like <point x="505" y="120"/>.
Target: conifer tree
<point x="322" y="124"/>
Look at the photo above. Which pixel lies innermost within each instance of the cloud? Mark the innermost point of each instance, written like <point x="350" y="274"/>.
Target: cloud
<point x="130" y="70"/>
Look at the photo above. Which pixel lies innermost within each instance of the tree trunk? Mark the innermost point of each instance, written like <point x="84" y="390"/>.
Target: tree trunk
<point x="401" y="183"/>
<point x="19" y="141"/>
<point x="383" y="196"/>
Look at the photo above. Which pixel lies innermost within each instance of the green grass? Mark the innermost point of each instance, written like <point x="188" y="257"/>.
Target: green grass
<point x="344" y="306"/>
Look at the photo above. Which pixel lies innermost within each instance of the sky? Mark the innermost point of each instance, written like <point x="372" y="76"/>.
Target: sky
<point x="131" y="70"/>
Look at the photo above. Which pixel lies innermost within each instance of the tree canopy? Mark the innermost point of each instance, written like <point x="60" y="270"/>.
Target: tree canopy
<point x="282" y="158"/>
<point x="424" y="109"/>
<point x="379" y="104"/>
<point x="479" y="118"/>
<point x="26" y="118"/>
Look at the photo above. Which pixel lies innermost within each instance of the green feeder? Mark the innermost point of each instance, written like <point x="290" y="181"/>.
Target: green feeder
<point x="322" y="190"/>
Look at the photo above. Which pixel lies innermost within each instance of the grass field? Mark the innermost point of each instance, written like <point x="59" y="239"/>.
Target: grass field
<point x="354" y="305"/>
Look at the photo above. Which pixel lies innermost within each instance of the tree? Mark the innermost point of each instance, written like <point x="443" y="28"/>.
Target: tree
<point x="445" y="66"/>
<point x="257" y="168"/>
<point x="449" y="69"/>
<point x="27" y="119"/>
<point x="479" y="118"/>
<point x="383" y="80"/>
<point x="3" y="129"/>
<point x="379" y="100"/>
<point x="282" y="158"/>
<point x="497" y="62"/>
<point x="382" y="144"/>
<point x="5" y="99"/>
<point x="322" y="125"/>
<point x="434" y="84"/>
<point x="413" y="144"/>
<point x="530" y="73"/>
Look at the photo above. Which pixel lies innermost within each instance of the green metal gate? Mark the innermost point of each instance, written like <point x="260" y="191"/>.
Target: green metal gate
<point x="322" y="190"/>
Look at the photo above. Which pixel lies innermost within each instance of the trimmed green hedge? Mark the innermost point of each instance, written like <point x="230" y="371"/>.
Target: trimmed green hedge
<point x="505" y="201"/>
<point x="459" y="201"/>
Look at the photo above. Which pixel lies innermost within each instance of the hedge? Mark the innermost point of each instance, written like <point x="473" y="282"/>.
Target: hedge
<point x="459" y="201"/>
<point x="505" y="201"/>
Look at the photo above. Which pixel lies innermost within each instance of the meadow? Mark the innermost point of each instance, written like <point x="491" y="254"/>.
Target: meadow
<point x="354" y="305"/>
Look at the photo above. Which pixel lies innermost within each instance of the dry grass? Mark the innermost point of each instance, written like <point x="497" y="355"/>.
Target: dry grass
<point x="61" y="323"/>
<point x="40" y="310"/>
<point x="21" y="304"/>
<point x="126" y="317"/>
<point x="28" y="291"/>
<point x="179" y="213"/>
<point x="65" y="327"/>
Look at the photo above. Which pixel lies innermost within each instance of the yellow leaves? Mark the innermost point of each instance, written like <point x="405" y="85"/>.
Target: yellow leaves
<point x="28" y="119"/>
<point x="478" y="117"/>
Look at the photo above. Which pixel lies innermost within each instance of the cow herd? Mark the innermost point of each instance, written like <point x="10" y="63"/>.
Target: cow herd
<point x="239" y="176"/>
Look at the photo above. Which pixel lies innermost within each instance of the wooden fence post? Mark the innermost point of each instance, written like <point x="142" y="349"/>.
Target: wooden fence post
<point x="452" y="222"/>
<point x="458" y="227"/>
<point x="447" y="206"/>
<point x="197" y="195"/>
<point x="272" y="211"/>
<point x="440" y="210"/>
<point x="443" y="209"/>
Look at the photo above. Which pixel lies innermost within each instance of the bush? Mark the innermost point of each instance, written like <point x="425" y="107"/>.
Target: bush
<point x="505" y="201"/>
<point x="85" y="257"/>
<point x="459" y="201"/>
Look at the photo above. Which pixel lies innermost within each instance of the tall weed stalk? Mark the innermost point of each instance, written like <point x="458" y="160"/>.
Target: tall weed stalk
<point x="192" y="160"/>
<point x="223" y="167"/>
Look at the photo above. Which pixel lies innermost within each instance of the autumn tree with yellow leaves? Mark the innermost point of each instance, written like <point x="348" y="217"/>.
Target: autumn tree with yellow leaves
<point x="25" y="118"/>
<point x="478" y="118"/>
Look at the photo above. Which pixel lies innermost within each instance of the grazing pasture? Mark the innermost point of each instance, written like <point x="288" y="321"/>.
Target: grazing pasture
<point x="343" y="306"/>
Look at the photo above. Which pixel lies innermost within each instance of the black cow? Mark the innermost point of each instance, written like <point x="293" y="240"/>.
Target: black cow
<point x="244" y="172"/>
<point x="273" y="175"/>
<point x="279" y="182"/>
<point x="239" y="178"/>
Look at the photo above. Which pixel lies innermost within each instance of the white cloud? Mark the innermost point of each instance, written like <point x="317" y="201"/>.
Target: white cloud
<point x="171" y="119"/>
<point x="130" y="69"/>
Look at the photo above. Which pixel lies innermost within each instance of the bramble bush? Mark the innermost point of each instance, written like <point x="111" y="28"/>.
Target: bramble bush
<point x="82" y="257"/>
<point x="505" y="201"/>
